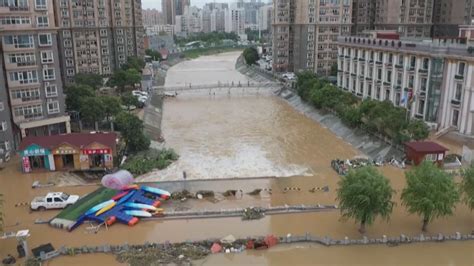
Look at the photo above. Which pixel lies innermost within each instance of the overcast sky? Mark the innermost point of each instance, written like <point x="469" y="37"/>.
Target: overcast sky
<point x="199" y="3"/>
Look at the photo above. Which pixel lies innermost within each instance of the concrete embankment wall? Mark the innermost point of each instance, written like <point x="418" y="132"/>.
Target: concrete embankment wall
<point x="369" y="145"/>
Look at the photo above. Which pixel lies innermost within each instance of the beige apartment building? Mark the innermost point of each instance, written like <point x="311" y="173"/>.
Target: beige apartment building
<point x="411" y="18"/>
<point x="30" y="73"/>
<point x="305" y="32"/>
<point x="151" y="17"/>
<point x="97" y="36"/>
<point x="432" y="79"/>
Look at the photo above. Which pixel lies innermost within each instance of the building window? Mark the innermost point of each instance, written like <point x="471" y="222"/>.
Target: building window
<point x="412" y="62"/>
<point x="426" y="63"/>
<point x="48" y="74"/>
<point x="70" y="72"/>
<point x="455" y="118"/>
<point x="461" y="67"/>
<point x="411" y="81"/>
<point x="379" y="74"/>
<point x="458" y="92"/>
<point x="40" y="4"/>
<point x="421" y="107"/>
<point x="32" y="111"/>
<point x="22" y="59"/>
<point x="2" y="106"/>
<point x="19" y="41"/>
<point x="66" y="33"/>
<point x="51" y="91"/>
<point x="16" y="20"/>
<point x="68" y="52"/>
<point x="423" y="82"/>
<point x="46" y="57"/>
<point x="42" y="22"/>
<point x="390" y="58"/>
<point x="26" y="95"/>
<point x="3" y="126"/>
<point x="69" y="63"/>
<point x="24" y="77"/>
<point x="45" y="39"/>
<point x="53" y="107"/>
<point x="389" y="76"/>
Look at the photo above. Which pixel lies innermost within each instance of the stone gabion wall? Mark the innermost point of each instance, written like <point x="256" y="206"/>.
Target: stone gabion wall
<point x="289" y="239"/>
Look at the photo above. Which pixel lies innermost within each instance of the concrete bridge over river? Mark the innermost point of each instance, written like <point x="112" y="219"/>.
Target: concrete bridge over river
<point x="218" y="85"/>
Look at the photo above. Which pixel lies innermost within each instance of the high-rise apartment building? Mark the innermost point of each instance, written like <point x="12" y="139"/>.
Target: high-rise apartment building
<point x="235" y="20"/>
<point x="447" y="16"/>
<point x="305" y="31"/>
<point x="265" y="17"/>
<point x="151" y="17"/>
<point x="469" y="12"/>
<point x="180" y="5"/>
<point x="97" y="36"/>
<point x="32" y="92"/>
<point x="168" y="8"/>
<point x="216" y="13"/>
<point x="410" y="18"/>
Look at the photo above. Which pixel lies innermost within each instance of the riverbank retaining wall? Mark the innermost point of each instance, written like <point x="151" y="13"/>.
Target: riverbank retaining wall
<point x="370" y="145"/>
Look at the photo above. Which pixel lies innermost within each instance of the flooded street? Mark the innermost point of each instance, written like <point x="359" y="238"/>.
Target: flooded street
<point x="244" y="134"/>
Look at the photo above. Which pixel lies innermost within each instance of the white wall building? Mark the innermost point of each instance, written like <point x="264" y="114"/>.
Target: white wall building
<point x="264" y="18"/>
<point x="235" y="20"/>
<point x="438" y="75"/>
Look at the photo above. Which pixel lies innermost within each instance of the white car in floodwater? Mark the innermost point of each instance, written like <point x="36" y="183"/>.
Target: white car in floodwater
<point x="53" y="200"/>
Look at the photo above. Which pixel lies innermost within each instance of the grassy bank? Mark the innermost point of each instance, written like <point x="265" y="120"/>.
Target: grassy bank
<point x="195" y="53"/>
<point x="85" y="203"/>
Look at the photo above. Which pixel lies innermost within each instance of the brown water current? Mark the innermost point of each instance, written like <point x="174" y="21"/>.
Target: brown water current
<point x="247" y="135"/>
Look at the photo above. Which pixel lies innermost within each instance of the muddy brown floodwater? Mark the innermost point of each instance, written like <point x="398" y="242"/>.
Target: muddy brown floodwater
<point x="246" y="135"/>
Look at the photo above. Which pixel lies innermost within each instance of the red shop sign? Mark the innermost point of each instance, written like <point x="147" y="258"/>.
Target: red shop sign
<point x="96" y="151"/>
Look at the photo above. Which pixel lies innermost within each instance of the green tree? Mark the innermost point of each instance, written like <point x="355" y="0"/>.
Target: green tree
<point x="467" y="186"/>
<point x="134" y="62"/>
<point x="112" y="106"/>
<point x="363" y="195"/>
<point x="129" y="100"/>
<point x="94" y="81"/>
<point x="418" y="129"/>
<point x="92" y="109"/>
<point x="430" y="192"/>
<point x="124" y="79"/>
<point x="154" y="54"/>
<point x="131" y="128"/>
<point x="250" y="55"/>
<point x="75" y="94"/>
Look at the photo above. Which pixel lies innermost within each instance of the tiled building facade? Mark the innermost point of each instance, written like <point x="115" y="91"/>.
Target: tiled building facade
<point x="97" y="36"/>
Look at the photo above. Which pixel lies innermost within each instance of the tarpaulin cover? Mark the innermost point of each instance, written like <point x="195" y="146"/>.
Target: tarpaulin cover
<point x="216" y="248"/>
<point x="117" y="180"/>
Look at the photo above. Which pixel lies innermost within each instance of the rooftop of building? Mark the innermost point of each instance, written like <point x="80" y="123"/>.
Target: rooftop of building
<point x="79" y="140"/>
<point x="453" y="47"/>
<point x="425" y="146"/>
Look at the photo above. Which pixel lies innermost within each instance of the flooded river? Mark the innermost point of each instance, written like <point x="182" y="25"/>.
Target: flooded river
<point x="245" y="134"/>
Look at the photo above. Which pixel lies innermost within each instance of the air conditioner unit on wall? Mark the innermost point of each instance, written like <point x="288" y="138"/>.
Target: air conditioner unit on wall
<point x="432" y="126"/>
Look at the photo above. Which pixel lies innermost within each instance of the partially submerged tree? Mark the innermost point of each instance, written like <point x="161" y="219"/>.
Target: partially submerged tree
<point x="94" y="81"/>
<point x="128" y="99"/>
<point x="467" y="186"/>
<point x="430" y="192"/>
<point x="363" y="195"/>
<point x="131" y="128"/>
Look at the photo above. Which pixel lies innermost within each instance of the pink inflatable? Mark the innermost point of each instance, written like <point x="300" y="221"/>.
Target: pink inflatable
<point x="117" y="180"/>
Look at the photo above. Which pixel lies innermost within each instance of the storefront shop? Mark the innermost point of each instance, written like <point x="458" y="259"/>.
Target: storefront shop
<point x="66" y="157"/>
<point x="77" y="151"/>
<point x="35" y="157"/>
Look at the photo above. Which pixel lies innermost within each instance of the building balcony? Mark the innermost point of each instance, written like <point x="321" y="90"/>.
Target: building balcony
<point x="17" y="47"/>
<point x="361" y="59"/>
<point x="459" y="77"/>
<point x="378" y="62"/>
<point x="422" y="94"/>
<point x="397" y="87"/>
<point x="398" y="66"/>
<point x="22" y="101"/>
<point x="22" y="83"/>
<point x="11" y="66"/>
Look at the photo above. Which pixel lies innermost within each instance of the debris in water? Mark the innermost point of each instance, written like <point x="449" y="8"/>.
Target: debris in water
<point x="255" y="192"/>
<point x="252" y="213"/>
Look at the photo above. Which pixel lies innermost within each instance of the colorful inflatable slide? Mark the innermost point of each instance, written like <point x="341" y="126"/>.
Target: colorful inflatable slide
<point x="127" y="206"/>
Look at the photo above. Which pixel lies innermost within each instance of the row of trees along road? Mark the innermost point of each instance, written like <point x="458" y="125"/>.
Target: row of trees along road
<point x="365" y="194"/>
<point x="82" y="96"/>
